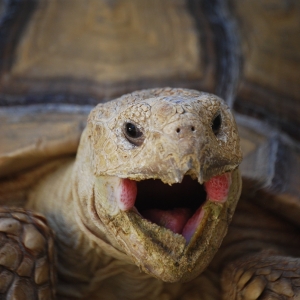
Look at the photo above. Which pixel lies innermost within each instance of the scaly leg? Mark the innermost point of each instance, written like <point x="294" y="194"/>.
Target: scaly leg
<point x="262" y="277"/>
<point x="26" y="256"/>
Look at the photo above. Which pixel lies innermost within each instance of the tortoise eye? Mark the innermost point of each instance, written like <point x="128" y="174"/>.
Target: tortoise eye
<point x="216" y="124"/>
<point x="132" y="131"/>
<point x="133" y="134"/>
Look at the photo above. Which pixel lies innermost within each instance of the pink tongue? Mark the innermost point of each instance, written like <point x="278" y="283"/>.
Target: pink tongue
<point x="174" y="220"/>
<point x="192" y="224"/>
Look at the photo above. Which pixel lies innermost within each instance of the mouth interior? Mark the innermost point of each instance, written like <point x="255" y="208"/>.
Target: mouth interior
<point x="177" y="207"/>
<point x="154" y="194"/>
<point x="172" y="207"/>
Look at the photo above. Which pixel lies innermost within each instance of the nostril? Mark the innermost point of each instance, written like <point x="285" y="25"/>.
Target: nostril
<point x="178" y="130"/>
<point x="193" y="128"/>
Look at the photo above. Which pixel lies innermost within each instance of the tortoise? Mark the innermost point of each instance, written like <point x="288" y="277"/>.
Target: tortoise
<point x="142" y="211"/>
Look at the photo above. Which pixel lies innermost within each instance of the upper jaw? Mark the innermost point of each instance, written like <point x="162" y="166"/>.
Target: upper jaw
<point x="158" y="250"/>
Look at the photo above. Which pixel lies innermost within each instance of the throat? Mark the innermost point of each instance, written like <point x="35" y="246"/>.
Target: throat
<point x="155" y="194"/>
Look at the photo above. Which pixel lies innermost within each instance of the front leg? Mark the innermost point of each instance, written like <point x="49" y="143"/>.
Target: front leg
<point x="262" y="277"/>
<point x="26" y="256"/>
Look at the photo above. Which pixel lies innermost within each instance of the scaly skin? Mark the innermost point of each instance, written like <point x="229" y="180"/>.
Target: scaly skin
<point x="108" y="250"/>
<point x="101" y="247"/>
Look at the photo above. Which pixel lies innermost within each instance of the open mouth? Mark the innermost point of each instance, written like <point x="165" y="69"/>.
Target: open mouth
<point x="170" y="232"/>
<point x="177" y="207"/>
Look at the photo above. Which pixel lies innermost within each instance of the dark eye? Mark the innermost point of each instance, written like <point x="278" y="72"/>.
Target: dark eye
<point x="132" y="131"/>
<point x="133" y="134"/>
<point x="216" y="124"/>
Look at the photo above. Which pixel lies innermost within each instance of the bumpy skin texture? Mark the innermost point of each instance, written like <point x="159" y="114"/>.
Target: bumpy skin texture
<point x="180" y="133"/>
<point x="107" y="249"/>
<point x="177" y="130"/>
<point x="110" y="251"/>
<point x="26" y="256"/>
<point x="262" y="277"/>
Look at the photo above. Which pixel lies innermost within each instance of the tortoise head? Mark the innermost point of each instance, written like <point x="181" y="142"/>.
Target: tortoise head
<point x="165" y="182"/>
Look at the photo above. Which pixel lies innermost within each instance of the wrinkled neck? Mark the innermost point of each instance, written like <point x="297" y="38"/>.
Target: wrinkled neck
<point x="98" y="256"/>
<point x="83" y="250"/>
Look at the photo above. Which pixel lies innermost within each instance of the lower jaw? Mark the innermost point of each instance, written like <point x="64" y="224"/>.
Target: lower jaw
<point x="158" y="250"/>
<point x="164" y="254"/>
<point x="190" y="232"/>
